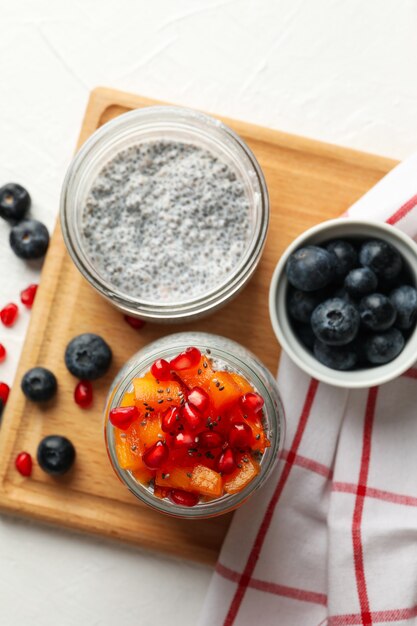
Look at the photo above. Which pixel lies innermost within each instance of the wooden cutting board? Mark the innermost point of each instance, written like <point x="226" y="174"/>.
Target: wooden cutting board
<point x="308" y="182"/>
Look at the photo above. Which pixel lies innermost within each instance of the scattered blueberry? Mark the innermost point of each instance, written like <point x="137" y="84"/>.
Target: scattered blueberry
<point x="39" y="384"/>
<point x="14" y="202"/>
<point x="377" y="312"/>
<point x="56" y="455"/>
<point x="301" y="304"/>
<point x="336" y="357"/>
<point x="360" y="281"/>
<point x="345" y="255"/>
<point x="381" y="258"/>
<point x="404" y="300"/>
<point x="29" y="239"/>
<point x="335" y="322"/>
<point x="88" y="356"/>
<point x="384" y="347"/>
<point x="310" y="268"/>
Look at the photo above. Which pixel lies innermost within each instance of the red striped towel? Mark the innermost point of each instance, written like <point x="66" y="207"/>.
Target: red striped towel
<point x="332" y="538"/>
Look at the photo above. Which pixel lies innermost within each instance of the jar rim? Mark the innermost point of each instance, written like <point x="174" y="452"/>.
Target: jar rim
<point x="197" y="122"/>
<point x="246" y="364"/>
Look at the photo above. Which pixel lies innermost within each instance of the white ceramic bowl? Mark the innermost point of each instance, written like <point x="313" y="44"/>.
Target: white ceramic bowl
<point x="334" y="229"/>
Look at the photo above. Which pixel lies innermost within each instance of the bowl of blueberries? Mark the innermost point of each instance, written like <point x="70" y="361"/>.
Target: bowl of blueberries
<point x="343" y="302"/>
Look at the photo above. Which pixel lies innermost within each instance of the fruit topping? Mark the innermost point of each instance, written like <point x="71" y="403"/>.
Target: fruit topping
<point x="182" y="438"/>
<point x="186" y="360"/>
<point x="56" y="455"/>
<point x="240" y="435"/>
<point x="2" y="352"/>
<point x="199" y="399"/>
<point x="161" y="370"/>
<point x="39" y="384"/>
<point x="123" y="416"/>
<point x="88" y="356"/>
<point x="156" y="456"/>
<point x="184" y="498"/>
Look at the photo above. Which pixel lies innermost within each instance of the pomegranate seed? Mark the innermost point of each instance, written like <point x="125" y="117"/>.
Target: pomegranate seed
<point x="208" y="439"/>
<point x="184" y="498"/>
<point x="123" y="416"/>
<point x="161" y="370"/>
<point x="83" y="394"/>
<point x="156" y="455"/>
<point x="8" y="314"/>
<point x="183" y="440"/>
<point x="2" y="352"/>
<point x="252" y="402"/>
<point x="171" y="420"/>
<point x="134" y="322"/>
<point x="240" y="435"/>
<point x="4" y="392"/>
<point x="226" y="464"/>
<point x="27" y="296"/>
<point x="193" y="417"/>
<point x="199" y="398"/>
<point x="23" y="463"/>
<point x="187" y="359"/>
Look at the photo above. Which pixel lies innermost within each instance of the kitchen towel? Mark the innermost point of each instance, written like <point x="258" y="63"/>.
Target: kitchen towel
<point x="332" y="537"/>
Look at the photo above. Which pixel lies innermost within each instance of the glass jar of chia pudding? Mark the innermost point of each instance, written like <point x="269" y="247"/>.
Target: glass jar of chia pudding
<point x="225" y="355"/>
<point x="165" y="211"/>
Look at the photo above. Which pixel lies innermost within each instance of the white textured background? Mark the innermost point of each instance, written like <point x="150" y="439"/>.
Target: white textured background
<point x="338" y="70"/>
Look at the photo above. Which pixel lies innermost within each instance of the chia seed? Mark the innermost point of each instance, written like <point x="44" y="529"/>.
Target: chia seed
<point x="166" y="221"/>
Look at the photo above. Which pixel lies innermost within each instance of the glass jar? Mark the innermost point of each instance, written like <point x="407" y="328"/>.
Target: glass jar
<point x="161" y="123"/>
<point x="230" y="355"/>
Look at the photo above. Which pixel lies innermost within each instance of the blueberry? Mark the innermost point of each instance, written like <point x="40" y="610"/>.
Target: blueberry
<point x="56" y="455"/>
<point x="336" y="357"/>
<point x="305" y="334"/>
<point x="88" y="356"/>
<point x="404" y="299"/>
<point x="384" y="347"/>
<point x="343" y="294"/>
<point x="335" y="322"/>
<point x="381" y="258"/>
<point x="346" y="257"/>
<point x="310" y="268"/>
<point x="29" y="239"/>
<point x="14" y="202"/>
<point x="39" y="384"/>
<point x="377" y="312"/>
<point x="301" y="304"/>
<point x="360" y="281"/>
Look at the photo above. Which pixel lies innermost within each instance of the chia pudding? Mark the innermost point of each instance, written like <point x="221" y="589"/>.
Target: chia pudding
<point x="166" y="221"/>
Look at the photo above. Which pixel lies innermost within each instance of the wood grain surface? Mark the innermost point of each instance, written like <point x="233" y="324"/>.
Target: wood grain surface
<point x="308" y="182"/>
